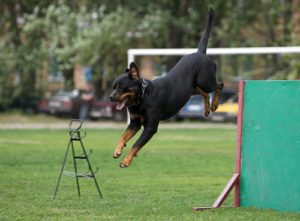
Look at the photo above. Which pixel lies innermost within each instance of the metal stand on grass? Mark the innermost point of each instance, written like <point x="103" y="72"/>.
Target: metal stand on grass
<point x="75" y="136"/>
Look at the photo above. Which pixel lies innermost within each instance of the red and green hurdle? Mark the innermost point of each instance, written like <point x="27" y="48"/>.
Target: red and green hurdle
<point x="267" y="171"/>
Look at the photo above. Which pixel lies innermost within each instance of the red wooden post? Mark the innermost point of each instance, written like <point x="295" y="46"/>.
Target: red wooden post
<point x="226" y="191"/>
<point x="239" y="144"/>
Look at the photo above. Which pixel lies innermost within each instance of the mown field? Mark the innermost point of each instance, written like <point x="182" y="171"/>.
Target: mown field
<point x="177" y="170"/>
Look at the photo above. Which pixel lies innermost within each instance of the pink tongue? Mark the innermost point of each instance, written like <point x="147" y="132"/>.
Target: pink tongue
<point x="121" y="105"/>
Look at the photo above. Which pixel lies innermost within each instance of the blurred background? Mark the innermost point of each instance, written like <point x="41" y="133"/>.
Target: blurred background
<point x="53" y="52"/>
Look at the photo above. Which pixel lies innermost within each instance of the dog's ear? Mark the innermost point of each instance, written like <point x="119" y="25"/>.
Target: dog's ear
<point x="127" y="70"/>
<point x="134" y="71"/>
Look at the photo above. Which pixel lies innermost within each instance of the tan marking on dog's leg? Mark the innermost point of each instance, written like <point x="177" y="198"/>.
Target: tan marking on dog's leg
<point x="215" y="101"/>
<point x="128" y="159"/>
<point x="128" y="134"/>
<point x="206" y="97"/>
<point x="135" y="116"/>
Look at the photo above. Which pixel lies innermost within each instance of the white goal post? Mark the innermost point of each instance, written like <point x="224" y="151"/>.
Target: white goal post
<point x="132" y="53"/>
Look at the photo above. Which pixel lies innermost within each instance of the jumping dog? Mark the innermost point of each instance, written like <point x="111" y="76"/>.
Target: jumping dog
<point x="149" y="102"/>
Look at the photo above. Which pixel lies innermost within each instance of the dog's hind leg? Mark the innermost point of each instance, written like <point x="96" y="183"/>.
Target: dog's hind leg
<point x="206" y="97"/>
<point x="216" y="98"/>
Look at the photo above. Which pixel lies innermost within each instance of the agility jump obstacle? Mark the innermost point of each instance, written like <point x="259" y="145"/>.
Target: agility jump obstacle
<point x="268" y="147"/>
<point x="75" y="135"/>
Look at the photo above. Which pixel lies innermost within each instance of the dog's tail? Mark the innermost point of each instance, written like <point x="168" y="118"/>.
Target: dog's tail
<point x="204" y="38"/>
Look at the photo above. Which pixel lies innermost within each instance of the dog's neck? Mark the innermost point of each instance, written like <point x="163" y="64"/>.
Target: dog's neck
<point x="143" y="86"/>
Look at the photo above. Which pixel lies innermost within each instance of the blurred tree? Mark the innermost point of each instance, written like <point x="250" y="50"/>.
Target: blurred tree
<point x="17" y="79"/>
<point x="92" y="37"/>
<point x="98" y="33"/>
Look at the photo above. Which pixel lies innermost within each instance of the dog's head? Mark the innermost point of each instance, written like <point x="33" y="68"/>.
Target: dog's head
<point x="126" y="87"/>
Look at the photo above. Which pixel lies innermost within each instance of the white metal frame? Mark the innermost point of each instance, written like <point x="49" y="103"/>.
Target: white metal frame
<point x="211" y="51"/>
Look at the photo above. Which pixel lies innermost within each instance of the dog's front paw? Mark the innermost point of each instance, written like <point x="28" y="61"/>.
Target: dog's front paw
<point x="126" y="162"/>
<point x="118" y="152"/>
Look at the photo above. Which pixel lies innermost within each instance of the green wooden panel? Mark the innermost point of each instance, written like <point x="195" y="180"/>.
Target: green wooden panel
<point x="270" y="176"/>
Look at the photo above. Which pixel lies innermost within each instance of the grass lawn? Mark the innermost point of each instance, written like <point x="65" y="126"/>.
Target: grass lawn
<point x="177" y="170"/>
<point x="16" y="116"/>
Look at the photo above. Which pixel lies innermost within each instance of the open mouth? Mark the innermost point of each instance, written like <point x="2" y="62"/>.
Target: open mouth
<point x="121" y="104"/>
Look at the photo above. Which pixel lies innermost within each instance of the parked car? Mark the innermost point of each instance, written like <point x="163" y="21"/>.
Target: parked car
<point x="103" y="108"/>
<point x="106" y="109"/>
<point x="227" y="111"/>
<point x="63" y="102"/>
<point x="194" y="108"/>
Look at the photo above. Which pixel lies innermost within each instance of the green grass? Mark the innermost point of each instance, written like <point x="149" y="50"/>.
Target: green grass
<point x="17" y="116"/>
<point x="175" y="171"/>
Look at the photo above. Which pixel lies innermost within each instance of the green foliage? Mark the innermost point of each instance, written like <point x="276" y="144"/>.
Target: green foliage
<point x="95" y="37"/>
<point x="98" y="34"/>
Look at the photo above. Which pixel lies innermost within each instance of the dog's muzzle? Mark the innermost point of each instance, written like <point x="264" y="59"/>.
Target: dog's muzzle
<point x="112" y="96"/>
